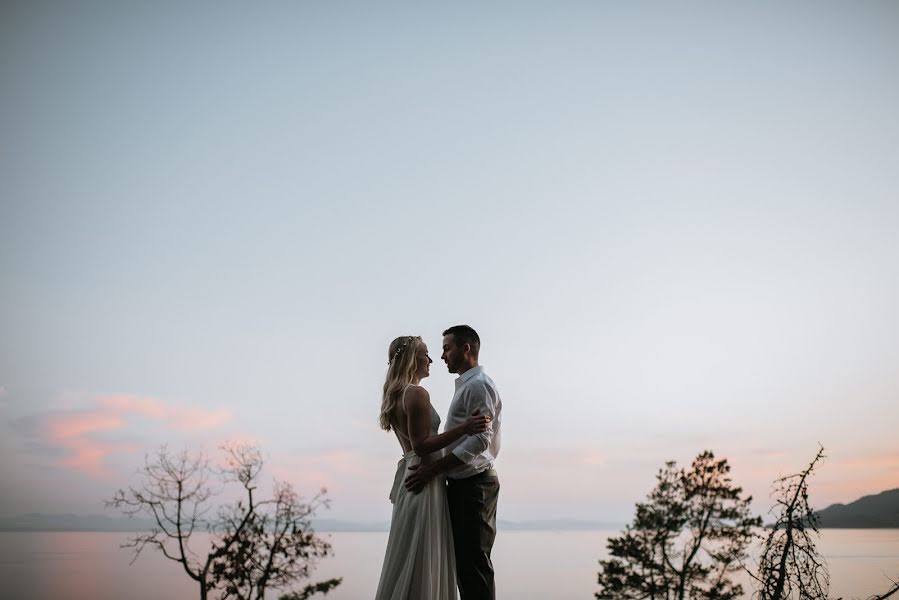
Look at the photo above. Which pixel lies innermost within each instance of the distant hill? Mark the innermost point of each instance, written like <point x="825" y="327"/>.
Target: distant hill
<point x="557" y="525"/>
<point x="70" y="522"/>
<point x="877" y="511"/>
<point x="872" y="512"/>
<point x="335" y="525"/>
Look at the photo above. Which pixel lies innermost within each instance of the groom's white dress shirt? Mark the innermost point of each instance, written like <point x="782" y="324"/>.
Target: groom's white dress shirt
<point x="474" y="391"/>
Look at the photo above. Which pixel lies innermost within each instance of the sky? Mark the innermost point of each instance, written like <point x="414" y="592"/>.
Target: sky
<point x="673" y="226"/>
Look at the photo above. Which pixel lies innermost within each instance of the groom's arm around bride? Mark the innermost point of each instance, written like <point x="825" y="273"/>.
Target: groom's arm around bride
<point x="466" y="456"/>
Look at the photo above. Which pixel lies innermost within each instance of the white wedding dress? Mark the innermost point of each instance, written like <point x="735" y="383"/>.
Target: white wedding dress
<point x="419" y="563"/>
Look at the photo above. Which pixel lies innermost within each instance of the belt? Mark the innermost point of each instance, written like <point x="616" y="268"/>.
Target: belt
<point x="482" y="475"/>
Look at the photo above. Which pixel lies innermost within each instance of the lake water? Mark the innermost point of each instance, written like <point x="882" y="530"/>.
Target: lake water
<point x="529" y="564"/>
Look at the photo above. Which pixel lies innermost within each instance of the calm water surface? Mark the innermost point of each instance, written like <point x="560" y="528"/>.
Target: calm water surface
<point x="529" y="564"/>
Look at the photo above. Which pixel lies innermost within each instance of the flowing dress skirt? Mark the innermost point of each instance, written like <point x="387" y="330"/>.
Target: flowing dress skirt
<point x="419" y="563"/>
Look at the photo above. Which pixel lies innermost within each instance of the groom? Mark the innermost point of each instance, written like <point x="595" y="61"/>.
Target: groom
<point x="472" y="484"/>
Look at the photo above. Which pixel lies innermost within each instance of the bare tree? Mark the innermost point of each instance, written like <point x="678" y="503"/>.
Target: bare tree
<point x="888" y="593"/>
<point x="255" y="544"/>
<point x="790" y="565"/>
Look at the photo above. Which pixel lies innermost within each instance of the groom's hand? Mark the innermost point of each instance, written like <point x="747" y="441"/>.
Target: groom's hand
<point x="419" y="478"/>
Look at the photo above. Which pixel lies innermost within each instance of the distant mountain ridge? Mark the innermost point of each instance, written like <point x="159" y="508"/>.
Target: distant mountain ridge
<point x="878" y="511"/>
<point x="71" y="522"/>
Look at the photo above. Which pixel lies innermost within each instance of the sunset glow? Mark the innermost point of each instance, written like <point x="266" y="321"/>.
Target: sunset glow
<point x="671" y="233"/>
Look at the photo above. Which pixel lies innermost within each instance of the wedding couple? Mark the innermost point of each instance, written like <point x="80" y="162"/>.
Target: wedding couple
<point x="445" y="491"/>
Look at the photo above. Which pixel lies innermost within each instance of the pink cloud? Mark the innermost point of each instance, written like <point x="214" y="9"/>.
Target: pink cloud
<point x="77" y="432"/>
<point x="72" y="431"/>
<point x="79" y="424"/>
<point x="88" y="456"/>
<point x="180" y="418"/>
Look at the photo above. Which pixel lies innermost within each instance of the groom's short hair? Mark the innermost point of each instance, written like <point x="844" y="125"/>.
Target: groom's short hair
<point x="463" y="334"/>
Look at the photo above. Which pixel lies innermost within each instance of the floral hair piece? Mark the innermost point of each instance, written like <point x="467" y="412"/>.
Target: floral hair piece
<point x="400" y="349"/>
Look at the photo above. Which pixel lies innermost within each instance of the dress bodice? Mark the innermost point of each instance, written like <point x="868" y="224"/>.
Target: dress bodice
<point x="435" y="421"/>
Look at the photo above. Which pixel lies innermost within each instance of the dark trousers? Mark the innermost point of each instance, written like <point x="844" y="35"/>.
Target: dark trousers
<point x="472" y="506"/>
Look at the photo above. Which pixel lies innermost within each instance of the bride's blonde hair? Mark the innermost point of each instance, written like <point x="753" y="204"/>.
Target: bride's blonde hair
<point x="401" y="361"/>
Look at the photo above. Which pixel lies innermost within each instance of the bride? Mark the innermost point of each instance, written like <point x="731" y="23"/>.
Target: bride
<point x="419" y="561"/>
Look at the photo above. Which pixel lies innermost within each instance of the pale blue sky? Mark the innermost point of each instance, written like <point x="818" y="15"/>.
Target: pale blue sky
<point x="673" y="226"/>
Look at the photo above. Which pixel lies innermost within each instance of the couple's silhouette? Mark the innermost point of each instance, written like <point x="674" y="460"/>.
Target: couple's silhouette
<point x="445" y="490"/>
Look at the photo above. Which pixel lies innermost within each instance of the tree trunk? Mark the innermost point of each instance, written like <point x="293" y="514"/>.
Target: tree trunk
<point x="782" y="566"/>
<point x="682" y="584"/>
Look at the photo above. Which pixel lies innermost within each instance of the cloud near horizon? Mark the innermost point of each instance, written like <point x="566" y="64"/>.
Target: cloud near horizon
<point x="79" y="434"/>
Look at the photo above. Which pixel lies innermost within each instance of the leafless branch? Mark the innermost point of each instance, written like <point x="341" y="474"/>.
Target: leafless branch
<point x="256" y="544"/>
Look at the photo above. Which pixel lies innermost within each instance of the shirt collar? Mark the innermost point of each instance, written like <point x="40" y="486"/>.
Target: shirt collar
<point x="469" y="374"/>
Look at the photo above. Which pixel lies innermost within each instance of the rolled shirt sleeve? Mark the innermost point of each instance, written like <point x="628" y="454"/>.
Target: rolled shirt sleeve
<point x="475" y="392"/>
<point x="482" y="398"/>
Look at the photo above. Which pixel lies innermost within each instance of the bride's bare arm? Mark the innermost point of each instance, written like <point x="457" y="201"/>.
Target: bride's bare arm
<point x="418" y="422"/>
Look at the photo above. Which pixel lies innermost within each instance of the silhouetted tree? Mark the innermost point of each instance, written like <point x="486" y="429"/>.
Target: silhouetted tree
<point x="790" y="565"/>
<point x="255" y="544"/>
<point x="686" y="539"/>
